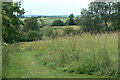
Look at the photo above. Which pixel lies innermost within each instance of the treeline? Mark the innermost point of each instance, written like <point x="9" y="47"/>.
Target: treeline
<point x="70" y="21"/>
<point x="99" y="17"/>
<point x="11" y="25"/>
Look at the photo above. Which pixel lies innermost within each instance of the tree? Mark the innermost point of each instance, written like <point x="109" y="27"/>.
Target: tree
<point x="58" y="23"/>
<point x="41" y="24"/>
<point x="106" y="13"/>
<point x="100" y="16"/>
<point x="84" y="12"/>
<point x="30" y="24"/>
<point x="11" y="23"/>
<point x="68" y="30"/>
<point x="39" y="16"/>
<point x="77" y="21"/>
<point x="44" y="16"/>
<point x="32" y="36"/>
<point x="70" y="21"/>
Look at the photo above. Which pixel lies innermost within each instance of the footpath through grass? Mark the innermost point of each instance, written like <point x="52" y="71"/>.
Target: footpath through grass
<point x="25" y="65"/>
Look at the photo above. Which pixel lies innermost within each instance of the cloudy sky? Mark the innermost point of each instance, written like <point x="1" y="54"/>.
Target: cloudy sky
<point x="53" y="7"/>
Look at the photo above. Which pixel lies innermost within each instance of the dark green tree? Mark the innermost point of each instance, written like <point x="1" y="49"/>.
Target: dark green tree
<point x="11" y="24"/>
<point x="32" y="36"/>
<point x="70" y="21"/>
<point x="101" y="16"/>
<point x="77" y="20"/>
<point x="58" y="23"/>
<point x="41" y="24"/>
<point x="30" y="24"/>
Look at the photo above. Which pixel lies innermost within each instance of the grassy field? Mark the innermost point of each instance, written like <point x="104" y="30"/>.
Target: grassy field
<point x="83" y="56"/>
<point x="48" y="21"/>
<point x="58" y="29"/>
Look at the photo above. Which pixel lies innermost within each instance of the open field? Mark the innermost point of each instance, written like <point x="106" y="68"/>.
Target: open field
<point x="52" y="41"/>
<point x="83" y="56"/>
<point x="59" y="29"/>
<point x="63" y="27"/>
<point x="48" y="21"/>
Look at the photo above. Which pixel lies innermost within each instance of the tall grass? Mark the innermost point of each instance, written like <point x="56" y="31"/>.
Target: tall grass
<point x="88" y="54"/>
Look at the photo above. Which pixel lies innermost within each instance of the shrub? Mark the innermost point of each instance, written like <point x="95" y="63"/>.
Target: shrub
<point x="58" y="23"/>
<point x="55" y="34"/>
<point x="30" y="24"/>
<point x="70" y="21"/>
<point x="76" y="32"/>
<point x="49" y="33"/>
<point x="69" y="31"/>
<point x="32" y="36"/>
<point x="41" y="24"/>
<point x="77" y="21"/>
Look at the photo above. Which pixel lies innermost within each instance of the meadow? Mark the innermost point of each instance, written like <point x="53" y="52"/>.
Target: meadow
<point x="48" y="21"/>
<point x="80" y="56"/>
<point x="83" y="46"/>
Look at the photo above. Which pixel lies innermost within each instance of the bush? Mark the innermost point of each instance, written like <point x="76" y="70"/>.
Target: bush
<point x="77" y="21"/>
<point x="69" y="31"/>
<point x="49" y="33"/>
<point x="41" y="24"/>
<point x="30" y="24"/>
<point x="92" y="25"/>
<point x="32" y="36"/>
<point x="76" y="32"/>
<point x="58" y="23"/>
<point x="71" y="20"/>
<point x="72" y="31"/>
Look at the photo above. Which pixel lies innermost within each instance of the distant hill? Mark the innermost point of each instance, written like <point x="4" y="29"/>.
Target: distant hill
<point x="49" y="15"/>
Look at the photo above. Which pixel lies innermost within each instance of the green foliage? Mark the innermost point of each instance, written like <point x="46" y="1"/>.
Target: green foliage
<point x="70" y="21"/>
<point x="77" y="21"/>
<point x="11" y="23"/>
<point x="100" y="17"/>
<point x="42" y="23"/>
<point x="44" y="16"/>
<point x="68" y="30"/>
<point x="88" y="25"/>
<point x="58" y="23"/>
<point x="30" y="24"/>
<point x="49" y="21"/>
<point x="31" y="36"/>
<point x="27" y="53"/>
<point x="72" y="55"/>
<point x="71" y="31"/>
<point x="85" y="54"/>
<point x="49" y="33"/>
<point x="39" y="16"/>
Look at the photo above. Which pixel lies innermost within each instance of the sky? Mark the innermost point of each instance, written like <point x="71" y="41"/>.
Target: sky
<point x="53" y="7"/>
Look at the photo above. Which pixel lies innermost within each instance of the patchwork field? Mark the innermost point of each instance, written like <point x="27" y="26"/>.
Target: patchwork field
<point x="48" y="21"/>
